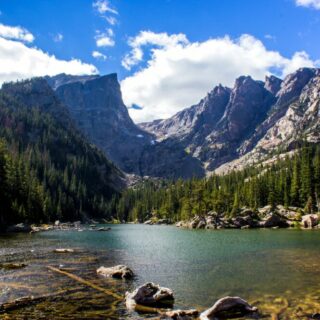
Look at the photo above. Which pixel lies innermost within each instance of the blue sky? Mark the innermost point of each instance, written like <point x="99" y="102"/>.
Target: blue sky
<point x="71" y="29"/>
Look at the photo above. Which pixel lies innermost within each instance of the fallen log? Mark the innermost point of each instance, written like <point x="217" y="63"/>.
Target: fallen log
<point x="26" y="301"/>
<point x="86" y="282"/>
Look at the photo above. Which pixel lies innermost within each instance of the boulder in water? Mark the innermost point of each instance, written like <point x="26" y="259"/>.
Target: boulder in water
<point x="150" y="295"/>
<point x="228" y="307"/>
<point x="120" y="272"/>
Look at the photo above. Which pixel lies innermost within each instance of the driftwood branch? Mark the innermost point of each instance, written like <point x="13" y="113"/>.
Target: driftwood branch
<point x="86" y="282"/>
<point x="26" y="301"/>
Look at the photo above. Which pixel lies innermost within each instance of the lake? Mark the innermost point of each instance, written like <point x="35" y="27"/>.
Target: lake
<point x="277" y="270"/>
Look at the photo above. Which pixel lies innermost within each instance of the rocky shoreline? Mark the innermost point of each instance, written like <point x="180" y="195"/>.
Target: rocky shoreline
<point x="58" y="226"/>
<point x="266" y="217"/>
<point x="246" y="218"/>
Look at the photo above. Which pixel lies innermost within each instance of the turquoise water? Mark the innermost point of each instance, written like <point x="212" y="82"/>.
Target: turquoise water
<point x="200" y="266"/>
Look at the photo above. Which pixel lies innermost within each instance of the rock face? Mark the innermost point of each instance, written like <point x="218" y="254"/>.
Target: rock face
<point x="120" y="271"/>
<point x="151" y="295"/>
<point x="95" y="104"/>
<point x="279" y="217"/>
<point x="309" y="221"/>
<point x="293" y="117"/>
<point x="228" y="129"/>
<point x="231" y="129"/>
<point x="228" y="307"/>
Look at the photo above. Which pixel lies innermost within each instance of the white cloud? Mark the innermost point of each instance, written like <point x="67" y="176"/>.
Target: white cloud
<point x="16" y="33"/>
<point x="18" y="61"/>
<point x="298" y="60"/>
<point x="103" y="6"/>
<point x="105" y="39"/>
<point x="270" y="37"/>
<point x="111" y="20"/>
<point x="309" y="3"/>
<point x="179" y="73"/>
<point x="58" y="37"/>
<point x="144" y="38"/>
<point x="98" y="55"/>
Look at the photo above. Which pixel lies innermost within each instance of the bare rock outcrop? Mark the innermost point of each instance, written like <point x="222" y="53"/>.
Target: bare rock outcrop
<point x="150" y="295"/>
<point x="120" y="272"/>
<point x="228" y="306"/>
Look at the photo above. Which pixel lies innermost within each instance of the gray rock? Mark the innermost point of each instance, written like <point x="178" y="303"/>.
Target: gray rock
<point x="151" y="295"/>
<point x="273" y="220"/>
<point x="120" y="272"/>
<point x="309" y="221"/>
<point x="228" y="306"/>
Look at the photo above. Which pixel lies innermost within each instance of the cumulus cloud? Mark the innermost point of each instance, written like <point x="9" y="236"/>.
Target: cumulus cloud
<point x="58" y="37"/>
<point x="16" y="33"/>
<point x="179" y="73"/>
<point x="309" y="3"/>
<point x="144" y="38"/>
<point x="98" y="55"/>
<point x="105" y="39"/>
<point x="18" y="61"/>
<point x="103" y="6"/>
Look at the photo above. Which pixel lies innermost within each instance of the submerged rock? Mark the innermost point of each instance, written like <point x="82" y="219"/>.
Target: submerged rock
<point x="120" y="272"/>
<point x="103" y="229"/>
<point x="228" y="307"/>
<point x="63" y="250"/>
<point x="151" y="295"/>
<point x="182" y="314"/>
<point x="12" y="265"/>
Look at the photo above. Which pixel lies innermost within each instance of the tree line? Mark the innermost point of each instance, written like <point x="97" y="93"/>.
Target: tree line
<point x="293" y="181"/>
<point x="48" y="171"/>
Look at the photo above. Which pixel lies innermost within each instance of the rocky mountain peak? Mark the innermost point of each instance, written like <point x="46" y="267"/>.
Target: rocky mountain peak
<point x="60" y="79"/>
<point x="95" y="104"/>
<point x="272" y="84"/>
<point x="293" y="84"/>
<point x="249" y="103"/>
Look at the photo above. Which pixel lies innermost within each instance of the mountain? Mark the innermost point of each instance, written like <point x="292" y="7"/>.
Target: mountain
<point x="231" y="128"/>
<point x="96" y="106"/>
<point x="48" y="170"/>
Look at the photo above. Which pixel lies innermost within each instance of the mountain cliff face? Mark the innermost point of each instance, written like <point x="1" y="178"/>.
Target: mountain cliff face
<point x="231" y="128"/>
<point x="95" y="104"/>
<point x="51" y="171"/>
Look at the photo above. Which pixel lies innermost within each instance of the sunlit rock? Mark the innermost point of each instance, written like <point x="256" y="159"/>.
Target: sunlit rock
<point x="228" y="307"/>
<point x="120" y="272"/>
<point x="150" y="295"/>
